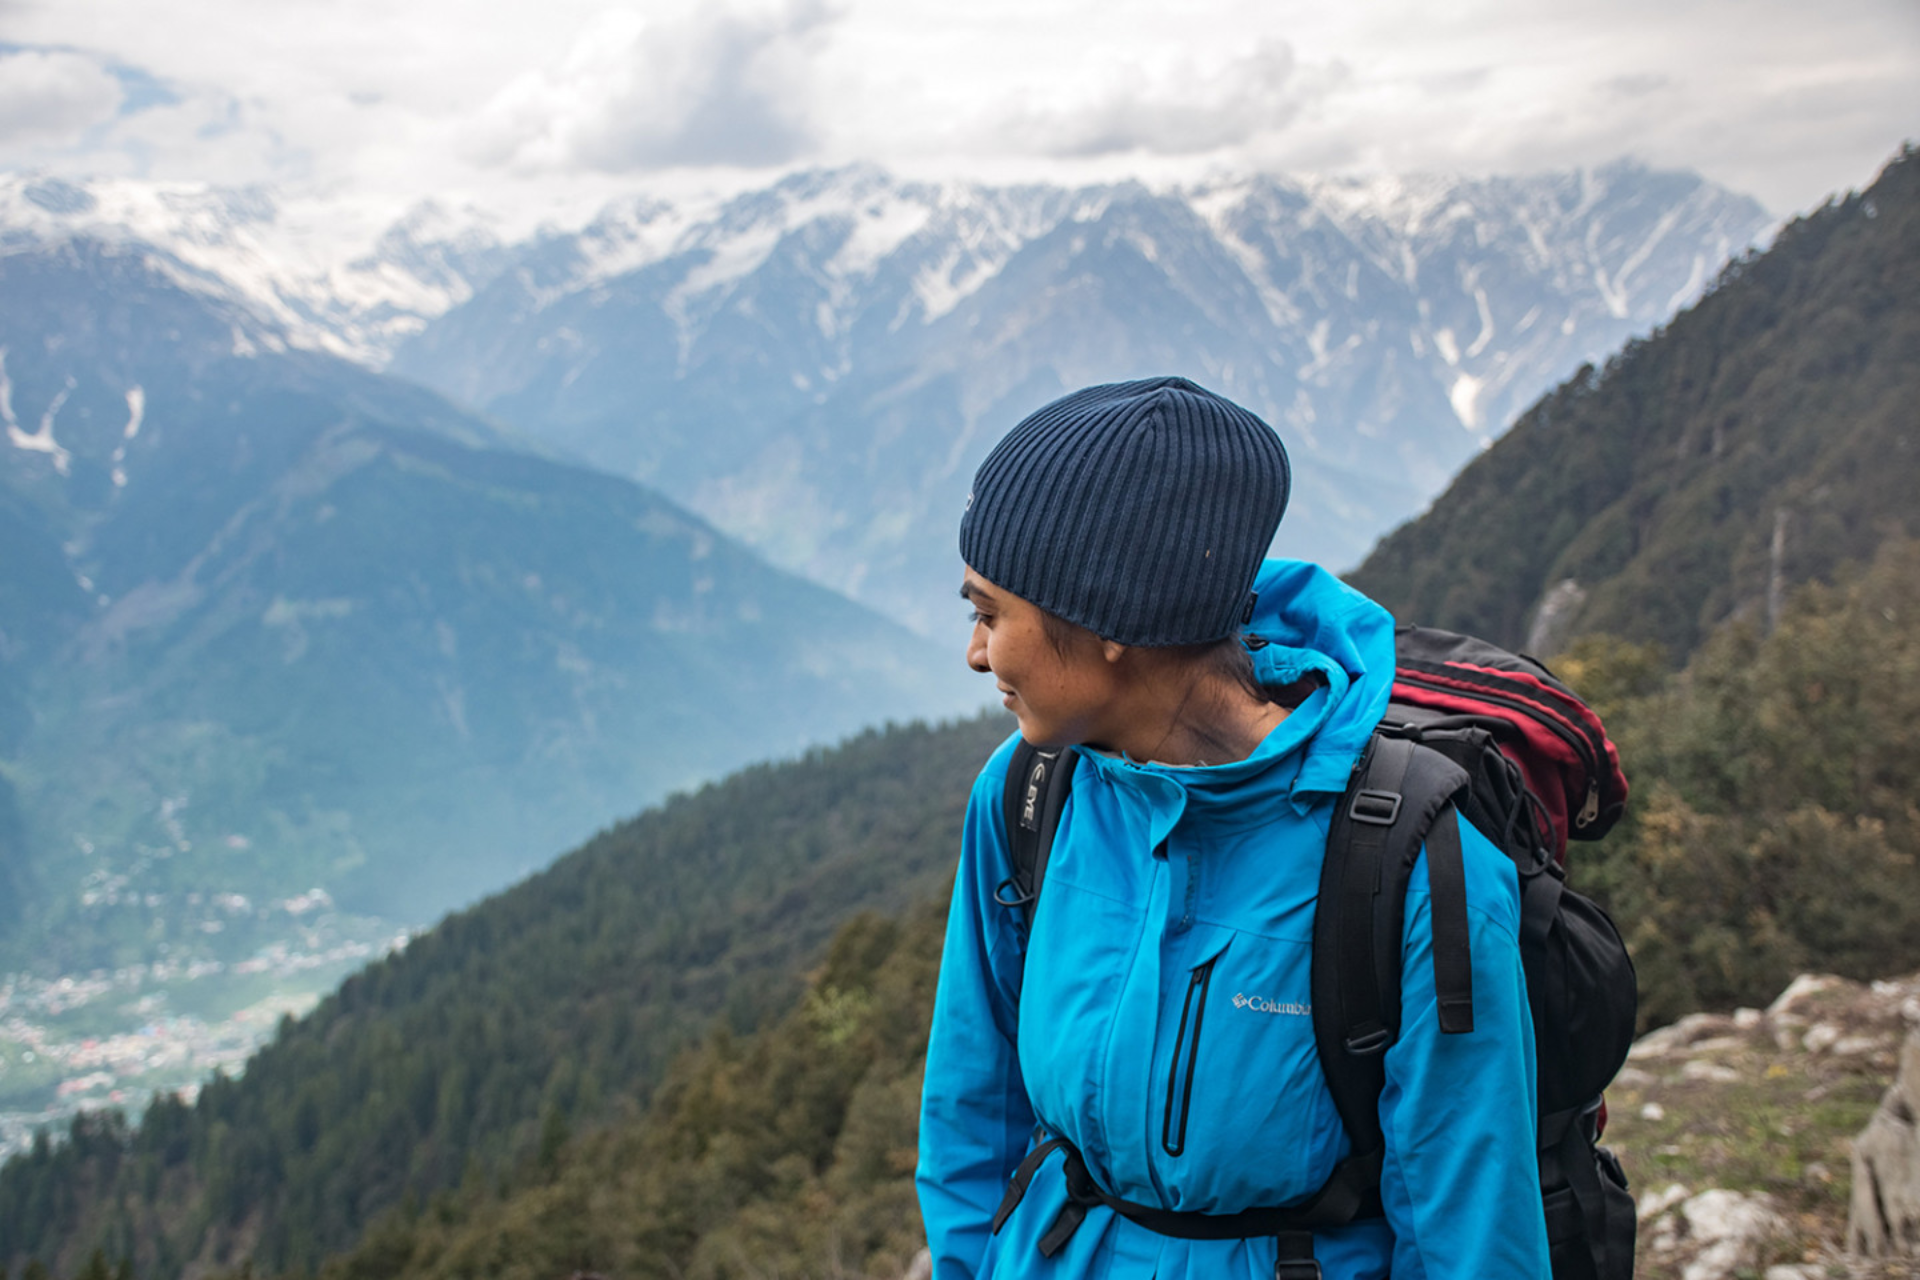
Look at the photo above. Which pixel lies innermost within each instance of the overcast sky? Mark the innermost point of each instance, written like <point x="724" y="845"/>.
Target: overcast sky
<point x="546" y="110"/>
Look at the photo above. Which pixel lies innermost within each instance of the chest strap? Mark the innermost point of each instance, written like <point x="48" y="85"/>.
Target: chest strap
<point x="1344" y="1198"/>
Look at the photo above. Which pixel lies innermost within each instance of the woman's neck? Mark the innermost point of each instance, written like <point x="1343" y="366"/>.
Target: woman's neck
<point x="1181" y="716"/>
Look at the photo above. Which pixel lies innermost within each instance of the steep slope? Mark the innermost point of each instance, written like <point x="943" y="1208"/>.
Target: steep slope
<point x="555" y="1005"/>
<point x="287" y="624"/>
<point x="1766" y="435"/>
<point x="819" y="366"/>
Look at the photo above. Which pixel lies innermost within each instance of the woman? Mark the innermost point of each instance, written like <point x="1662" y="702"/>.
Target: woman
<point x="1157" y="1021"/>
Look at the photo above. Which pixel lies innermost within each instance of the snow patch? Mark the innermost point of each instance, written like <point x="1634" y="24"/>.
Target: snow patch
<point x="1464" y="394"/>
<point x="40" y="441"/>
<point x="878" y="232"/>
<point x="1486" y="323"/>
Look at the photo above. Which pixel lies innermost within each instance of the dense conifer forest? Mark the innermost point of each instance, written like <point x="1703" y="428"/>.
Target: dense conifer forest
<point x="658" y="1059"/>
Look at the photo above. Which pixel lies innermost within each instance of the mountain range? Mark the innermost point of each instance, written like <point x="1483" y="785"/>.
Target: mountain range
<point x="817" y="367"/>
<point x="275" y="623"/>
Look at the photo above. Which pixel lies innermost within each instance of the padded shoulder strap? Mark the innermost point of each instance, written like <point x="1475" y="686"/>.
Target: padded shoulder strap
<point x="1393" y="806"/>
<point x="1037" y="785"/>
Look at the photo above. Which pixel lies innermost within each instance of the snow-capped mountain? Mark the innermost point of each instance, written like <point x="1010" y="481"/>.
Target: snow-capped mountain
<point x="309" y="284"/>
<point x="819" y="365"/>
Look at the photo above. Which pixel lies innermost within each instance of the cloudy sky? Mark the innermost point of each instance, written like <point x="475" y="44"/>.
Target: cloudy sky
<point x="545" y="110"/>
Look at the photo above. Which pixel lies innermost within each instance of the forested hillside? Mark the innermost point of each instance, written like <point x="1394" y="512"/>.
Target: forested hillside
<point x="477" y="1105"/>
<point x="1758" y="854"/>
<point x="1764" y="437"/>
<point x="550" y="1007"/>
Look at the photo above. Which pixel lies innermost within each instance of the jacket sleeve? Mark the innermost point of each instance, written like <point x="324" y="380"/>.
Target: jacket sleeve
<point x="1461" y="1181"/>
<point x="975" y="1120"/>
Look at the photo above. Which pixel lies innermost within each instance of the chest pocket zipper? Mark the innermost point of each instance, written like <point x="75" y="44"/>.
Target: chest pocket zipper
<point x="1186" y="1053"/>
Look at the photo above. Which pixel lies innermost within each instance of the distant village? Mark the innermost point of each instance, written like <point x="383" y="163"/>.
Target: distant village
<point x="50" y="1063"/>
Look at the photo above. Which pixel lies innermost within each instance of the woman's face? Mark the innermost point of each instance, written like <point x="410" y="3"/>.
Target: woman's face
<point x="1062" y="696"/>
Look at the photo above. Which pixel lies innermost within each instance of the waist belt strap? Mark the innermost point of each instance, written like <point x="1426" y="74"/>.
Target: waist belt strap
<point x="1293" y="1225"/>
<point x="1023" y="1178"/>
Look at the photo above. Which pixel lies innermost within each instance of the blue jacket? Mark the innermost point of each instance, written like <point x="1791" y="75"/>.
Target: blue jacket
<point x="1160" y="1019"/>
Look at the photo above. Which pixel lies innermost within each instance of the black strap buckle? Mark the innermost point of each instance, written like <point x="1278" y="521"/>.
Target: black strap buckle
<point x="1377" y="808"/>
<point x="1293" y="1257"/>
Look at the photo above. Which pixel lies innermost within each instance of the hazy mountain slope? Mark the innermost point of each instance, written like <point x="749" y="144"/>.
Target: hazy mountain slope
<point x="556" y="1004"/>
<point x="285" y="625"/>
<point x="1767" y="434"/>
<point x="819" y="366"/>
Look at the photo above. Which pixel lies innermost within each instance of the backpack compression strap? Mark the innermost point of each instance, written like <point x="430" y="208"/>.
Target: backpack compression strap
<point x="1037" y="785"/>
<point x="1400" y="799"/>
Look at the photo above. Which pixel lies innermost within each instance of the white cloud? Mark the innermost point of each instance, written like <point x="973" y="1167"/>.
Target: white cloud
<point x="53" y="97"/>
<point x="1185" y="107"/>
<point x="716" y="87"/>
<point x="521" y="106"/>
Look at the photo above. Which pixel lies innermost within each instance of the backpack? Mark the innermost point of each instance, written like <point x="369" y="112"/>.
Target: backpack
<point x="1474" y="731"/>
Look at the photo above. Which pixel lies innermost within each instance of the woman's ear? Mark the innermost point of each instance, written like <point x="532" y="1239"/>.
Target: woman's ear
<point x="1113" y="650"/>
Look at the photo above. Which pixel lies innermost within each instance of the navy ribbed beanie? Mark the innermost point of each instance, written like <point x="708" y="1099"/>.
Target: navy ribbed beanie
<point x="1140" y="510"/>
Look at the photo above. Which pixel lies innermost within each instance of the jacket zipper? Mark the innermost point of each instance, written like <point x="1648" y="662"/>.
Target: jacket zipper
<point x="1579" y="740"/>
<point x="1172" y="1140"/>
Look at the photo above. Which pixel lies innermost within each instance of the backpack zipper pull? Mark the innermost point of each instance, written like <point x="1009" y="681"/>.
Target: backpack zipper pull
<point x="1591" y="809"/>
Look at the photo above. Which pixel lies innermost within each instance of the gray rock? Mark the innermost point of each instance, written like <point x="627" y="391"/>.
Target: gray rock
<point x="1884" y="1220"/>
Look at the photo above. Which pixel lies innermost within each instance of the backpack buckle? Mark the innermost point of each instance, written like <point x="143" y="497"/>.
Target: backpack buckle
<point x="1377" y="808"/>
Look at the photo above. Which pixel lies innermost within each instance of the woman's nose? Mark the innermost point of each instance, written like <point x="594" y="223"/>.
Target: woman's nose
<point x="977" y="649"/>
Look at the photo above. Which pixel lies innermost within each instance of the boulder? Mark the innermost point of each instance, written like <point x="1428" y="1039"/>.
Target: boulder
<point x="1884" y="1219"/>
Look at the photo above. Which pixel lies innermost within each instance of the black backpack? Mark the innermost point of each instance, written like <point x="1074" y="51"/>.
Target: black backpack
<point x="1472" y="730"/>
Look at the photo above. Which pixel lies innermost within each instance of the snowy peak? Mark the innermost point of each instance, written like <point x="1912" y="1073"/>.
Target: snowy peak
<point x="818" y="364"/>
<point x="289" y="265"/>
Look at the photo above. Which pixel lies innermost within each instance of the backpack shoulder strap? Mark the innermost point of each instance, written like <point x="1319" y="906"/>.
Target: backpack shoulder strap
<point x="1400" y="798"/>
<point x="1037" y="785"/>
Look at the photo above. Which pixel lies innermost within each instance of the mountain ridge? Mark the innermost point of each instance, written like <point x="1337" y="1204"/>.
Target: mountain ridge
<point x="817" y="365"/>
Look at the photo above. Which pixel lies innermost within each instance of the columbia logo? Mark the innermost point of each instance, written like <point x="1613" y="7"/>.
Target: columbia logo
<point x="1260" y="1004"/>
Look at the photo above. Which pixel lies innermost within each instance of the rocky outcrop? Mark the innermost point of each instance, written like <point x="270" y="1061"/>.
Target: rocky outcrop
<point x="1884" y="1221"/>
<point x="1737" y="1130"/>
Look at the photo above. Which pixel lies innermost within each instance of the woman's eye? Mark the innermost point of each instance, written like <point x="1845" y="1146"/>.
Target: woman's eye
<point x="974" y="615"/>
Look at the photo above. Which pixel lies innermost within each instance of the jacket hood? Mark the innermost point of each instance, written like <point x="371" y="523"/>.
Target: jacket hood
<point x="1311" y="622"/>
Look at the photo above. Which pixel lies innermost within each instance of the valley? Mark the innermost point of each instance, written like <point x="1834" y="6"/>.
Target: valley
<point x="115" y="1038"/>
